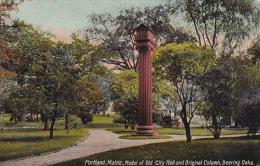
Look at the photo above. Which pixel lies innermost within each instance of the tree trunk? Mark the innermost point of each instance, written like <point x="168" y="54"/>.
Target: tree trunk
<point x="66" y="121"/>
<point x="37" y="117"/>
<point x="126" y="124"/>
<point x="217" y="129"/>
<point x="216" y="135"/>
<point x="52" y="126"/>
<point x="188" y="133"/>
<point x="186" y="123"/>
<point x="31" y="116"/>
<point x="46" y="124"/>
<point x="1" y="121"/>
<point x="15" y="120"/>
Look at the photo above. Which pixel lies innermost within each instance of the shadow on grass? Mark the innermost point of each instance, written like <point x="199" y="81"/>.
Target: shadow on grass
<point x="20" y="129"/>
<point x="255" y="137"/>
<point x="28" y="139"/>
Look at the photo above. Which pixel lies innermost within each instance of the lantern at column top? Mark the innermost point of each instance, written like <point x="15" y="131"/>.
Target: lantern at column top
<point x="143" y="37"/>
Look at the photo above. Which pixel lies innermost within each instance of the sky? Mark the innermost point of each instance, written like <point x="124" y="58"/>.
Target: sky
<point x="63" y="17"/>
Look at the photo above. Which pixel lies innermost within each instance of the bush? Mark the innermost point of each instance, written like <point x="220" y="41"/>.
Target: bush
<point x="86" y="117"/>
<point x="118" y="119"/>
<point x="167" y="121"/>
<point x="157" y="117"/>
<point x="162" y="120"/>
<point x="249" y="116"/>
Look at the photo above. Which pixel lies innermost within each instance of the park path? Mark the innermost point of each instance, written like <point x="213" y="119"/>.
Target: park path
<point x="98" y="140"/>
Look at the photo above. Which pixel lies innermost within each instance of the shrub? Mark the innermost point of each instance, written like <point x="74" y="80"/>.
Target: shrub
<point x="86" y="117"/>
<point x="118" y="119"/>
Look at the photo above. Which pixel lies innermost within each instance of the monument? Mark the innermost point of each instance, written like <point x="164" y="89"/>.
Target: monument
<point x="144" y="45"/>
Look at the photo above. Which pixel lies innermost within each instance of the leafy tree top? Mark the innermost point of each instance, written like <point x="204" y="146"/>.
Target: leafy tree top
<point x="176" y="62"/>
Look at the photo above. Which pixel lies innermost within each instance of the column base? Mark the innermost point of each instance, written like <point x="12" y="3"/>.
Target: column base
<point x="145" y="131"/>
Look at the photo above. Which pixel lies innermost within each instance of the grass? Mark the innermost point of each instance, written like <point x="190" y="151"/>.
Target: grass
<point x="196" y="131"/>
<point x="31" y="140"/>
<point x="242" y="148"/>
<point x="28" y="138"/>
<point x="103" y="119"/>
<point x="15" y="143"/>
<point x="106" y="122"/>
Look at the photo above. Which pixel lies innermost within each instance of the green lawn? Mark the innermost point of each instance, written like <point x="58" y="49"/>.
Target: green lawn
<point x="224" y="149"/>
<point x="28" y="138"/>
<point x="102" y="119"/>
<point x="106" y="122"/>
<point x="24" y="142"/>
<point x="196" y="131"/>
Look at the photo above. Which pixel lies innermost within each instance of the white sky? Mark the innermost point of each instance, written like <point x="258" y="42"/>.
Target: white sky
<point x="62" y="17"/>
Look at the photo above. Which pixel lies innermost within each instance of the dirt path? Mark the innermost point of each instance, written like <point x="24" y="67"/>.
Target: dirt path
<point x="97" y="141"/>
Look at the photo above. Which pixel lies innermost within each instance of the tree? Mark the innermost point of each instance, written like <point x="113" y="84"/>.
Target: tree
<point x="125" y="95"/>
<point x="7" y="57"/>
<point x="219" y="23"/>
<point x="6" y="6"/>
<point x="33" y="49"/>
<point x="116" y="33"/>
<point x="90" y="96"/>
<point x="255" y="50"/>
<point x="248" y="86"/>
<point x="183" y="65"/>
<point x="250" y="116"/>
<point x="218" y="84"/>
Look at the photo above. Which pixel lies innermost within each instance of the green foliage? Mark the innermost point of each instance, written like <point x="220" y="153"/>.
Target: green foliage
<point x="118" y="119"/>
<point x="115" y="33"/>
<point x="249" y="116"/>
<point x="248" y="85"/>
<point x="162" y="119"/>
<point x="124" y="91"/>
<point x="54" y="76"/>
<point x="86" y="117"/>
<point x="183" y="61"/>
<point x="183" y="66"/>
<point x="219" y="85"/>
<point x="255" y="50"/>
<point x="219" y="24"/>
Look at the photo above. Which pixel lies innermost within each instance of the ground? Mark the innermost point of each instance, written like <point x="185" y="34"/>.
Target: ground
<point x="196" y="131"/>
<point x="26" y="139"/>
<point x="24" y="142"/>
<point x="242" y="148"/>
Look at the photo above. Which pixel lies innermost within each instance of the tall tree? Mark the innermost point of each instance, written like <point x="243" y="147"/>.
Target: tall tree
<point x="116" y="33"/>
<point x="183" y="65"/>
<point x="218" y="84"/>
<point x="220" y="24"/>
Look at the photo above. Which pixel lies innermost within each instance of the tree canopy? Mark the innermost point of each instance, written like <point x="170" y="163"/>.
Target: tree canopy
<point x="221" y="24"/>
<point x="183" y="65"/>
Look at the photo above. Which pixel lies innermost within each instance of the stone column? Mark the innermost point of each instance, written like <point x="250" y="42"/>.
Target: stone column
<point x="144" y="45"/>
